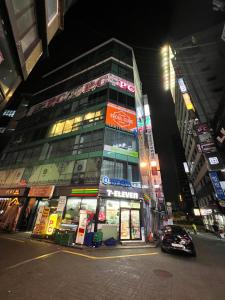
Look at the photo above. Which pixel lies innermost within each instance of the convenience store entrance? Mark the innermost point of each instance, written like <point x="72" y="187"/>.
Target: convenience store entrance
<point x="130" y="227"/>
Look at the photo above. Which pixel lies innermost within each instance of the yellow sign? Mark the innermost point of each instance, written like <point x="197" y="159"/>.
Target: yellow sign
<point x="41" y="221"/>
<point x="187" y="101"/>
<point x="52" y="223"/>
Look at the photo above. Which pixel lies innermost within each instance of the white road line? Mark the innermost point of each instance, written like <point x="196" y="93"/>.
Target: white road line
<point x="31" y="259"/>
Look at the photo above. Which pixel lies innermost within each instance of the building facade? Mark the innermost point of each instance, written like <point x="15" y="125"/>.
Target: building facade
<point x="26" y="29"/>
<point x="77" y="153"/>
<point x="198" y="66"/>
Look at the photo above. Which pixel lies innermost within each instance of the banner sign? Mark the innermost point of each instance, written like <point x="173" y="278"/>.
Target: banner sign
<point x="216" y="184"/>
<point x="85" y="88"/>
<point x="61" y="204"/>
<point x="117" y="116"/>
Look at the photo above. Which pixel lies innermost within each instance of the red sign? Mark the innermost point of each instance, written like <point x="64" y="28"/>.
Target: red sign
<point x="41" y="191"/>
<point x="85" y="88"/>
<point x="117" y="116"/>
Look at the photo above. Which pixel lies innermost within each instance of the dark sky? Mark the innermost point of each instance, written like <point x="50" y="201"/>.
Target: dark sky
<point x="144" y="25"/>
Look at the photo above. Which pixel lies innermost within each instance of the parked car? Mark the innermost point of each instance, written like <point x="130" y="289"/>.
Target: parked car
<point x="176" y="238"/>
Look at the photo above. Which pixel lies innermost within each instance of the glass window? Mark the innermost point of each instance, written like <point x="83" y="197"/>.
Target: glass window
<point x="52" y="10"/>
<point x="93" y="170"/>
<point x="68" y="125"/>
<point x="89" y="204"/>
<point x="89" y="116"/>
<point x="112" y="212"/>
<point x="59" y="128"/>
<point x="9" y="76"/>
<point x="73" y="209"/>
<point x="18" y="6"/>
<point x="108" y="168"/>
<point x="120" y="170"/>
<point x="26" y="20"/>
<point x="29" y="38"/>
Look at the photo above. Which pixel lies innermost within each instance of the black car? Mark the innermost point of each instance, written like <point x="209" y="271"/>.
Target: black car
<point x="175" y="238"/>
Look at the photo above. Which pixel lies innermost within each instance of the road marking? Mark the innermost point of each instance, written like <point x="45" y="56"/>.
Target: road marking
<point x="79" y="254"/>
<point x="110" y="257"/>
<point x="12" y="239"/>
<point x="32" y="259"/>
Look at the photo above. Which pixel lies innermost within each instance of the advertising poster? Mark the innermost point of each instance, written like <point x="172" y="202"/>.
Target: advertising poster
<point x="42" y="220"/>
<point x="52" y="223"/>
<point x="117" y="116"/>
<point x="61" y="204"/>
<point x="82" y="227"/>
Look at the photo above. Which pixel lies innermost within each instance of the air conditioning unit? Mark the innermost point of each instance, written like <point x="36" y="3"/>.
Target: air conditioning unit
<point x="80" y="166"/>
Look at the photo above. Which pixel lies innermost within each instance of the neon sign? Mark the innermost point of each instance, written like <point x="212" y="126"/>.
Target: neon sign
<point x="85" y="88"/>
<point x="122" y="194"/>
<point x="114" y="181"/>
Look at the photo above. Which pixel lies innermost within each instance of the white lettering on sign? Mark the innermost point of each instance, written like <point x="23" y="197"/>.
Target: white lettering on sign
<point x="122" y="194"/>
<point x="85" y="88"/>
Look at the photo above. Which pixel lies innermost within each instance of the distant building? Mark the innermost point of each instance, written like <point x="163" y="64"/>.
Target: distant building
<point x="184" y="202"/>
<point x="196" y="72"/>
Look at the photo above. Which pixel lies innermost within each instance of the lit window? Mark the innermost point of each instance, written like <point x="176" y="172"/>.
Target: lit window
<point x="59" y="128"/>
<point x="89" y="116"/>
<point x="52" y="130"/>
<point x="98" y="114"/>
<point x="68" y="125"/>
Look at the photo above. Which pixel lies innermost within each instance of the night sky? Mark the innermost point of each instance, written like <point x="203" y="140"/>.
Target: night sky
<point x="146" y="26"/>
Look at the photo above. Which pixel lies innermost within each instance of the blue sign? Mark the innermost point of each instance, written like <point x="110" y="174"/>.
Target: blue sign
<point x="115" y="181"/>
<point x="216" y="184"/>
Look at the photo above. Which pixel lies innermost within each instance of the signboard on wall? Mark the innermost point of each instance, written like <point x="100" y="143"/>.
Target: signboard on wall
<point x="41" y="191"/>
<point x="117" y="116"/>
<point x="85" y="88"/>
<point x="216" y="185"/>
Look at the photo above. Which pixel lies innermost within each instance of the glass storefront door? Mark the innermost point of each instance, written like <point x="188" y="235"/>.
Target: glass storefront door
<point x="130" y="228"/>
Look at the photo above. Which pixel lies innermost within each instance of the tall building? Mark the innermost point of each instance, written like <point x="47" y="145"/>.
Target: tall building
<point x="184" y="202"/>
<point x="26" y="29"/>
<point x="80" y="151"/>
<point x="194" y="72"/>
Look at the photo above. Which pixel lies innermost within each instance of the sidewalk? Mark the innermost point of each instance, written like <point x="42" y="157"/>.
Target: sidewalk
<point x="27" y="236"/>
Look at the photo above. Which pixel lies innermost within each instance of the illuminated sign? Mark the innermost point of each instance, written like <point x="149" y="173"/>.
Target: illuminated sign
<point x="119" y="150"/>
<point x="9" y="113"/>
<point x="85" y="88"/>
<point x="221" y="138"/>
<point x="12" y="192"/>
<point x="182" y="85"/>
<point x="117" y="116"/>
<point x="52" y="224"/>
<point x="216" y="185"/>
<point x="122" y="194"/>
<point x="187" y="101"/>
<point x="114" y="181"/>
<point x="196" y="212"/>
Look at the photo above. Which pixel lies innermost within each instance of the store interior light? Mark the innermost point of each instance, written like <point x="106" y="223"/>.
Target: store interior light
<point x="143" y="164"/>
<point x="153" y="163"/>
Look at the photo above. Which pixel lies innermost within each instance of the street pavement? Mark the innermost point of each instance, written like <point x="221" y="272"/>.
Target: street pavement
<point x="38" y="270"/>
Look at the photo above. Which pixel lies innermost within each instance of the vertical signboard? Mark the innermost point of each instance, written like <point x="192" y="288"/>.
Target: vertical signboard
<point x="216" y="185"/>
<point x="82" y="227"/>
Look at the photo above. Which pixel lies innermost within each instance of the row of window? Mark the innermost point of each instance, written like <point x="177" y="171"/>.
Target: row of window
<point x="79" y="104"/>
<point x="81" y="143"/>
<point x="75" y="123"/>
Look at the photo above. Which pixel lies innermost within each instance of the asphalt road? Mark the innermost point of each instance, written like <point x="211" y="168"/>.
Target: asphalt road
<point x="37" y="270"/>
